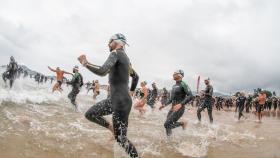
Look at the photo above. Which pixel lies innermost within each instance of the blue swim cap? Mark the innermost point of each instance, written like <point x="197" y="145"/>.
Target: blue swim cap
<point x="119" y="38"/>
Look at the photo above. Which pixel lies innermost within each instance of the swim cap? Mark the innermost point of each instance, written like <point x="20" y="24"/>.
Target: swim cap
<point x="12" y="58"/>
<point x="76" y="67"/>
<point x="180" y="72"/>
<point x="120" y="38"/>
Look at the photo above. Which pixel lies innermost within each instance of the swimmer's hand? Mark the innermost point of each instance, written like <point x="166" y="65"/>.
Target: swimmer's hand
<point x="83" y="60"/>
<point x="177" y="107"/>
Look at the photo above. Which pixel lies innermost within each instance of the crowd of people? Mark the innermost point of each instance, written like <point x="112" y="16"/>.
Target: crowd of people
<point x="119" y="101"/>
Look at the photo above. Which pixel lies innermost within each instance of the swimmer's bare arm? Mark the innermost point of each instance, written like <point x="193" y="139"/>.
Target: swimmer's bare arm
<point x="53" y="70"/>
<point x="67" y="73"/>
<point x="104" y="69"/>
<point x="135" y="79"/>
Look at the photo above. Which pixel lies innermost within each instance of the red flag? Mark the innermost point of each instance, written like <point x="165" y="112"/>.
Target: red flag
<point x="198" y="83"/>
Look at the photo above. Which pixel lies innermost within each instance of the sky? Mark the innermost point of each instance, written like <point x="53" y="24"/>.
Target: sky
<point x="233" y="42"/>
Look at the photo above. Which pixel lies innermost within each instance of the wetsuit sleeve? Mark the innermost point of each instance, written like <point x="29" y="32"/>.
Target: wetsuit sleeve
<point x="105" y="68"/>
<point x="209" y="91"/>
<point x="188" y="92"/>
<point x="135" y="79"/>
<point x="81" y="80"/>
<point x="9" y="67"/>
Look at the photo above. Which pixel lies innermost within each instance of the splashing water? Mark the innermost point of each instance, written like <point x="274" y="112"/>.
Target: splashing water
<point x="38" y="123"/>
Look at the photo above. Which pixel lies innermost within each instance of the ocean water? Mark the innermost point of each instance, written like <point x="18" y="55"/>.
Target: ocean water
<point x="36" y="123"/>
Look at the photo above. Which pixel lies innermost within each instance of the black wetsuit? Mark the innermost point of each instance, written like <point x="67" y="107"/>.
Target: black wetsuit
<point x="230" y="103"/>
<point x="141" y="94"/>
<point x="221" y="103"/>
<point x="180" y="94"/>
<point x="227" y="103"/>
<point x="137" y="93"/>
<point x="274" y="103"/>
<point x="269" y="103"/>
<point x="25" y="74"/>
<point x="212" y="101"/>
<point x="11" y="73"/>
<point x="76" y="83"/>
<point x="152" y="97"/>
<point x="165" y="97"/>
<point x="240" y="101"/>
<point x="120" y="102"/>
<point x="41" y="78"/>
<point x="206" y="103"/>
<point x="249" y="104"/>
<point x="19" y="72"/>
<point x="37" y="78"/>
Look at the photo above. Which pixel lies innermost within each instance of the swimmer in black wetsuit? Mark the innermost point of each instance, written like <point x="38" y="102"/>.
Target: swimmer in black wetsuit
<point x="76" y="83"/>
<point x="153" y="96"/>
<point x="241" y="103"/>
<point x="164" y="96"/>
<point x="180" y="96"/>
<point x="207" y="101"/>
<point x="11" y="72"/>
<point x="279" y="104"/>
<point x="248" y="104"/>
<point x="269" y="103"/>
<point x="120" y="102"/>
<point x="274" y="103"/>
